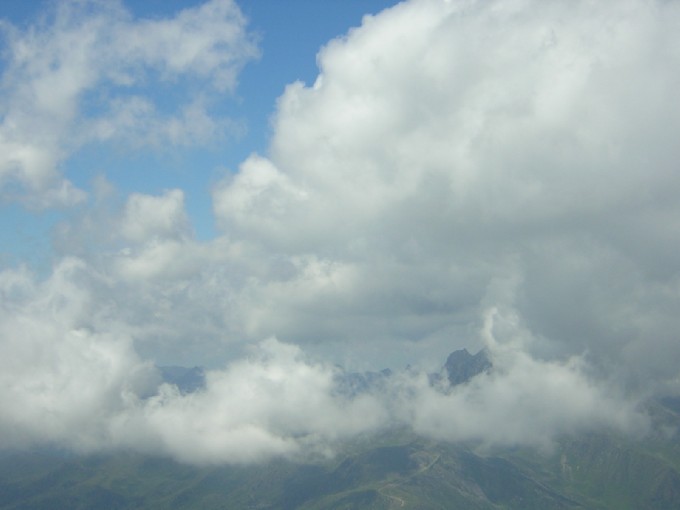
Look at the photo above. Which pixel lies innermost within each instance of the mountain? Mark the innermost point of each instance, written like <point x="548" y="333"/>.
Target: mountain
<point x="461" y="366"/>
<point x="351" y="384"/>
<point x="599" y="470"/>
<point x="396" y="470"/>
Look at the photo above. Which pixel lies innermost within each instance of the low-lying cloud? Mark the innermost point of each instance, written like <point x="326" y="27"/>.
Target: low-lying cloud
<point x="67" y="383"/>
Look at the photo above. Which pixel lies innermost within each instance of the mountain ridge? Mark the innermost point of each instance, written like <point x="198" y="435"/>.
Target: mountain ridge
<point x="395" y="468"/>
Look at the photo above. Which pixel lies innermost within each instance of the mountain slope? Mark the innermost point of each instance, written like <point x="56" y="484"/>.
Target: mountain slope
<point x="597" y="471"/>
<point x="600" y="470"/>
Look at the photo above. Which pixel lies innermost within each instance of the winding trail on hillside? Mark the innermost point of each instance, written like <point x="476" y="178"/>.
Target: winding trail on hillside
<point x="393" y="485"/>
<point x="395" y="498"/>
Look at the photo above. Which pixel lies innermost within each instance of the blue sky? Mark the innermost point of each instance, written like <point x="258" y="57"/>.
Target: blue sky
<point x="289" y="34"/>
<point x="181" y="187"/>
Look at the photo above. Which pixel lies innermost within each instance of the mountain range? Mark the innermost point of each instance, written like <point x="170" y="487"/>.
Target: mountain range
<point x="600" y="470"/>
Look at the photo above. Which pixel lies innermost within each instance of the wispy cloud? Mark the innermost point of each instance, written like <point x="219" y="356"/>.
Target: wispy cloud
<point x="85" y="73"/>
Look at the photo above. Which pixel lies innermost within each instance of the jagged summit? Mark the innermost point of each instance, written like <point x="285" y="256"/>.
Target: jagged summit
<point x="461" y="366"/>
<point x="351" y="384"/>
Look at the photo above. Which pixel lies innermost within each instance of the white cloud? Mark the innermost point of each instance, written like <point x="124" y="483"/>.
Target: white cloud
<point x="85" y="73"/>
<point x="527" y="403"/>
<point x="500" y="145"/>
<point x="208" y="41"/>
<point x="65" y="381"/>
<point x="62" y="377"/>
<point x="447" y="146"/>
<point x="147" y="217"/>
<point x="275" y="403"/>
<point x="451" y="159"/>
<point x="70" y="376"/>
<point x="523" y="400"/>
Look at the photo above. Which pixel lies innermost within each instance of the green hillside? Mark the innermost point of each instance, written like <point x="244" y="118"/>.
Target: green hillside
<point x="594" y="471"/>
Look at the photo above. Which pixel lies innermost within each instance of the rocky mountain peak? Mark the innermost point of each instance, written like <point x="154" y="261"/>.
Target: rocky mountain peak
<point x="461" y="366"/>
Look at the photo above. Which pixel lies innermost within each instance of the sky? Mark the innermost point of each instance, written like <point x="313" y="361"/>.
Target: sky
<point x="277" y="191"/>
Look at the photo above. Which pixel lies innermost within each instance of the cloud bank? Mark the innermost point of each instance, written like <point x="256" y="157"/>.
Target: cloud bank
<point x="462" y="173"/>
<point x="64" y="382"/>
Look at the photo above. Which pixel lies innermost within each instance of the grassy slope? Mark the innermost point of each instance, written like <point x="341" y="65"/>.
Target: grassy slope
<point x="596" y="471"/>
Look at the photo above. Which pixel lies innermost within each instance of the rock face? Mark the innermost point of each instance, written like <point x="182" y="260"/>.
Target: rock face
<point x="461" y="366"/>
<point x="351" y="384"/>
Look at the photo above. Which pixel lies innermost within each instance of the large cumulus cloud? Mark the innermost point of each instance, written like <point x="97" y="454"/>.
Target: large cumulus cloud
<point x="448" y="147"/>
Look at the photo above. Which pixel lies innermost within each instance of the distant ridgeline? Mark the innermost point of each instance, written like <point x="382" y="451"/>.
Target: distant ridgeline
<point x="460" y="367"/>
